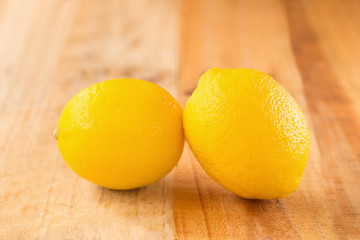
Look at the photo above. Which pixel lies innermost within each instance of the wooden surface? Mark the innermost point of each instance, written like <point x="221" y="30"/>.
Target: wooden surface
<point x="49" y="50"/>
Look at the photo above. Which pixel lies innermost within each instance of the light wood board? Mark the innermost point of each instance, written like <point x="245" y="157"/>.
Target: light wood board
<point x="50" y="50"/>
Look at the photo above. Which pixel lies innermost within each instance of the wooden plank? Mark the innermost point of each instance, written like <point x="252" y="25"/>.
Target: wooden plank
<point x="49" y="51"/>
<point x="274" y="37"/>
<point x="335" y="117"/>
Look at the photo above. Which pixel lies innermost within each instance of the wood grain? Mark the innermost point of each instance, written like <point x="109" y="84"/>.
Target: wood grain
<point x="49" y="50"/>
<point x="283" y="43"/>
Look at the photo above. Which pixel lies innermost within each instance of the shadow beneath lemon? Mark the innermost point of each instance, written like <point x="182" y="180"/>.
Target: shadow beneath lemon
<point x="189" y="199"/>
<point x="152" y="194"/>
<point x="199" y="201"/>
<point x="142" y="209"/>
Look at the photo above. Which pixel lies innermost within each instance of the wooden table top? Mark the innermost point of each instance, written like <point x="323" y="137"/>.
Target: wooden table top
<point x="49" y="50"/>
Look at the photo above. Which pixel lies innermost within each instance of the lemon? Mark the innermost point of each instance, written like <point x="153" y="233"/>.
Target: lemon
<point x="121" y="133"/>
<point x="247" y="132"/>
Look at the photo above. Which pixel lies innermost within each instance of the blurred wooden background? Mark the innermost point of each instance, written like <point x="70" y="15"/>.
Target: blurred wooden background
<point x="49" y="50"/>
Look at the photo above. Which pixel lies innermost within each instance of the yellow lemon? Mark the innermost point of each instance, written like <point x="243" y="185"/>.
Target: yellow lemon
<point x="247" y="132"/>
<point x="121" y="133"/>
